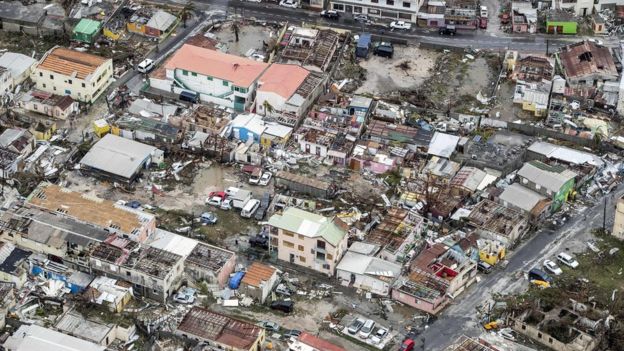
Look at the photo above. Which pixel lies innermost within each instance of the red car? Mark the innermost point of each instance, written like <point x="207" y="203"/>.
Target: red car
<point x="407" y="345"/>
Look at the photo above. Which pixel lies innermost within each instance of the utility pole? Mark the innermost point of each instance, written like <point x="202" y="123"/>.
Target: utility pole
<point x="547" y="46"/>
<point x="604" y="216"/>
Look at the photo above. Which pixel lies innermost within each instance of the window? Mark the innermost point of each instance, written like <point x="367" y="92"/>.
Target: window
<point x="288" y="244"/>
<point x="128" y="274"/>
<point x="54" y="88"/>
<point x="320" y="256"/>
<point x="209" y="78"/>
<point x="194" y="74"/>
<point x="43" y="85"/>
<point x="390" y="2"/>
<point x="338" y="7"/>
<point x="405" y="16"/>
<point x="67" y="92"/>
<point x="524" y="181"/>
<point x="83" y="85"/>
<point x="225" y="83"/>
<point x="40" y="74"/>
<point x="287" y="233"/>
<point x="51" y="76"/>
<point x="406" y="4"/>
<point x="302" y="259"/>
<point x="301" y="237"/>
<point x="357" y="9"/>
<point x="320" y="244"/>
<point x="300" y="248"/>
<point x="539" y="335"/>
<point x="329" y="257"/>
<point x="69" y="81"/>
<point x="374" y="2"/>
<point x="184" y="72"/>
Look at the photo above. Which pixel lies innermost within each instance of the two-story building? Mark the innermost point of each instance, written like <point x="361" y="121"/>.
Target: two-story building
<point x="210" y="75"/>
<point x="82" y="76"/>
<point x="587" y="63"/>
<point x="553" y="181"/>
<point x="404" y="10"/>
<point x="308" y="239"/>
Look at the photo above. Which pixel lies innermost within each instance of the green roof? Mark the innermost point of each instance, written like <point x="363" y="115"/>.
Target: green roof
<point x="308" y="224"/>
<point x="87" y="26"/>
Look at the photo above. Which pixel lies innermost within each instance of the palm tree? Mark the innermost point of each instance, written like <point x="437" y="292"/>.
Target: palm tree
<point x="268" y="108"/>
<point x="187" y="12"/>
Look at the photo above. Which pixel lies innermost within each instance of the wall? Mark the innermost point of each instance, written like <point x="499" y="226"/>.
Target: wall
<point x="618" y="221"/>
<point x="431" y="307"/>
<point x="543" y="132"/>
<point x="380" y="9"/>
<point x="365" y="282"/>
<point x="275" y="100"/>
<point x="315" y="149"/>
<point x="545" y="339"/>
<point x="568" y="27"/>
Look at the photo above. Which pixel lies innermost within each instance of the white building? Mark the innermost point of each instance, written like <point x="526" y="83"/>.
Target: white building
<point x="360" y="269"/>
<point x="80" y="75"/>
<point x="33" y="337"/>
<point x="213" y="76"/>
<point x="20" y="66"/>
<point x="404" y="10"/>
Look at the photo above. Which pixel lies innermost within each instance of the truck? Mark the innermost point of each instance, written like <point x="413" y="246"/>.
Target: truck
<point x="240" y="198"/>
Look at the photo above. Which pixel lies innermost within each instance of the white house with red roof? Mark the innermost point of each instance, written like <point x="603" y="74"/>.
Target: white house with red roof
<point x="211" y="75"/>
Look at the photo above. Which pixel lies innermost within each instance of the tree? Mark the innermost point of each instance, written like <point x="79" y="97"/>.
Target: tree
<point x="235" y="29"/>
<point x="268" y="108"/>
<point x="187" y="12"/>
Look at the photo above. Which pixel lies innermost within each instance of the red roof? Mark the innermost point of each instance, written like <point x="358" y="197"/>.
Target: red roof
<point x="238" y="70"/>
<point x="282" y="79"/>
<point x="318" y="343"/>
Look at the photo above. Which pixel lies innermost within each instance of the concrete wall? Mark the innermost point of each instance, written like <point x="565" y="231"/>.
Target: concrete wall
<point x="583" y="342"/>
<point x="618" y="221"/>
<point x="365" y="282"/>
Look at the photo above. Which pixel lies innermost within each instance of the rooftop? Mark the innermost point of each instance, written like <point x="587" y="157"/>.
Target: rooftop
<point x="161" y="20"/>
<point x="550" y="177"/>
<point x="87" y="26"/>
<point x="93" y="210"/>
<point x="357" y="263"/>
<point x="566" y="154"/>
<point x="521" y="197"/>
<point x="71" y="63"/>
<point x="296" y="178"/>
<point x="16" y="63"/>
<point x="116" y="155"/>
<point x="399" y="132"/>
<point x="316" y="343"/>
<point x="495" y="218"/>
<point x="308" y="224"/>
<point x="442" y="144"/>
<point x="73" y="323"/>
<point x="35" y="338"/>
<point x="282" y="79"/>
<point x="585" y="58"/>
<point x="11" y="257"/>
<point x="213" y="326"/>
<point x="257" y="273"/>
<point x="49" y="99"/>
<point x="240" y="71"/>
<point x="171" y="242"/>
<point x="210" y="257"/>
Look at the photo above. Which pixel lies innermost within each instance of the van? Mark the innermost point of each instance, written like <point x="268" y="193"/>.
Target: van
<point x="189" y="96"/>
<point x="145" y="66"/>
<point x="250" y="208"/>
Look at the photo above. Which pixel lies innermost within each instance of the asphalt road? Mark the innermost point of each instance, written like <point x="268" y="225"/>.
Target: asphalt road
<point x="461" y="316"/>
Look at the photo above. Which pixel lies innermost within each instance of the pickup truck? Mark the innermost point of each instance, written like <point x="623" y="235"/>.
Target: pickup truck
<point x="400" y="25"/>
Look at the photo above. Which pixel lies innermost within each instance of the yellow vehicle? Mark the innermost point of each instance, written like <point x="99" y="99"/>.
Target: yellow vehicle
<point x="541" y="284"/>
<point x="491" y="325"/>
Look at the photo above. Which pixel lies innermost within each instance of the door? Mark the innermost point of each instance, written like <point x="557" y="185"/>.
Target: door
<point x="292" y="258"/>
<point x="348" y="9"/>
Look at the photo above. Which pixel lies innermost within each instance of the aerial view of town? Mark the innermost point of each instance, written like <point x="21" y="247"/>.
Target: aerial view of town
<point x="311" y="175"/>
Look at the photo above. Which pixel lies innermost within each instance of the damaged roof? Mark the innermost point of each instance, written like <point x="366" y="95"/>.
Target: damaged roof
<point x="585" y="58"/>
<point x="71" y="63"/>
<point x="257" y="273"/>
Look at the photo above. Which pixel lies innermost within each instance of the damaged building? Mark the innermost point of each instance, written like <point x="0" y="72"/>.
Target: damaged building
<point x="311" y="48"/>
<point x="587" y="63"/>
<point x="497" y="222"/>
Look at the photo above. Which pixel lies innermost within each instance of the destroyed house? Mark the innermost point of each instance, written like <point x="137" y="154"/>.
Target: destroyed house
<point x="389" y="133"/>
<point x="48" y="104"/>
<point x="311" y="48"/>
<point x="119" y="159"/>
<point x="531" y="69"/>
<point x="305" y="185"/>
<point x="210" y="263"/>
<point x="147" y="130"/>
<point x="308" y="239"/>
<point x="17" y="140"/>
<point x="366" y="272"/>
<point x="464" y="343"/>
<point x="51" y="234"/>
<point x="33" y="337"/>
<point x="259" y="281"/>
<point x="154" y="273"/>
<point x="207" y="118"/>
<point x="470" y="179"/>
<point x="497" y="222"/>
<point x="148" y="108"/>
<point x="104" y="214"/>
<point x="496" y="153"/>
<point x="287" y="90"/>
<point x="13" y="267"/>
<point x="461" y="13"/>
<point x="346" y="115"/>
<point x="587" y="63"/>
<point x="375" y="157"/>
<point x="10" y="162"/>
<point x="397" y="233"/>
<point x="220" y="331"/>
<point x="438" y="275"/>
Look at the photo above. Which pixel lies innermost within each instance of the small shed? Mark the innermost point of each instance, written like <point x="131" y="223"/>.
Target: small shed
<point x="259" y="281"/>
<point x="86" y="30"/>
<point x="363" y="45"/>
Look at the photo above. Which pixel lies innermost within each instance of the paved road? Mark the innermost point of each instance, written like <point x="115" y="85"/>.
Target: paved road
<point x="461" y="317"/>
<point x="481" y="39"/>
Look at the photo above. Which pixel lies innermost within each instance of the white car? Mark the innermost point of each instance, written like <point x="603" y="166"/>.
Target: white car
<point x="552" y="267"/>
<point x="266" y="178"/>
<point x="289" y="3"/>
<point x="231" y="191"/>
<point x="567" y="260"/>
<point x="401" y="25"/>
<point x="380" y="334"/>
<point x="226" y="204"/>
<point x="215" y="201"/>
<point x="367" y="329"/>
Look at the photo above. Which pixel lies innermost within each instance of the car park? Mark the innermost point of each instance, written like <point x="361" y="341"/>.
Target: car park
<point x="284" y="306"/>
<point x="567" y="260"/>
<point x="265" y="179"/>
<point x="330" y="14"/>
<point x="270" y="326"/>
<point x="355" y="326"/>
<point x="367" y="329"/>
<point x="552" y="267"/>
<point x="208" y="218"/>
<point x="448" y="30"/>
<point x="402" y="25"/>
<point x="289" y="3"/>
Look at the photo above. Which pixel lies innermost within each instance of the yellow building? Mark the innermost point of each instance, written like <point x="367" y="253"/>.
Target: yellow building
<point x="101" y="127"/>
<point x="42" y="131"/>
<point x="491" y="251"/>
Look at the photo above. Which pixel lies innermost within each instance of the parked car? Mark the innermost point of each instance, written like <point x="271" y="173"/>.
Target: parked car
<point x="540" y="278"/>
<point x="400" y="25"/>
<point x="383" y="49"/>
<point x="133" y="204"/>
<point x="260" y="213"/>
<point x="270" y="326"/>
<point x="360" y="18"/>
<point x="185" y="295"/>
<point x="289" y="3"/>
<point x="291" y="333"/>
<point x="260" y="240"/>
<point x="484" y="11"/>
<point x="567" y="260"/>
<point x="208" y="218"/>
<point x="226" y="205"/>
<point x="231" y="191"/>
<point x="330" y="14"/>
<point x="448" y="30"/>
<point x="282" y="290"/>
<point x="215" y="201"/>
<point x="552" y="267"/>
<point x="367" y="329"/>
<point x="484" y="267"/>
<point x="254" y="177"/>
<point x="355" y="326"/>
<point x="284" y="306"/>
<point x="145" y="66"/>
<point x="265" y="179"/>
<point x="407" y="345"/>
<point x="379" y="335"/>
